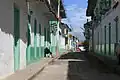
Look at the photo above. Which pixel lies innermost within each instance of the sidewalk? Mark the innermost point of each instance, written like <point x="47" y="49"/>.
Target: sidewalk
<point x="76" y="66"/>
<point x="30" y="71"/>
<point x="112" y="64"/>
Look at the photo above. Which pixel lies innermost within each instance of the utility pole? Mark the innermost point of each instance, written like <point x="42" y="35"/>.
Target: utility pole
<point x="58" y="25"/>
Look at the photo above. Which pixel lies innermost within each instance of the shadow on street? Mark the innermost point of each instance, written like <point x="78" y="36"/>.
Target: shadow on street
<point x="72" y="55"/>
<point x="84" y="66"/>
<point x="77" y="66"/>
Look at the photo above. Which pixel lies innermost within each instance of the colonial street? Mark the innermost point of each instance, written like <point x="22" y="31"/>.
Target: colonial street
<point x="77" y="66"/>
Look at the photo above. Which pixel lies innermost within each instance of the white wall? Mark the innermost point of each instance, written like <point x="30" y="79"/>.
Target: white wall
<point x="38" y="14"/>
<point x="6" y="37"/>
<point x="105" y="22"/>
<point x="7" y="30"/>
<point x="62" y="42"/>
<point x="23" y="30"/>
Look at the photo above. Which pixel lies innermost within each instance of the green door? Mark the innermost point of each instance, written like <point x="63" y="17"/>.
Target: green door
<point x="40" y="53"/>
<point x="35" y="39"/>
<point x="109" y="38"/>
<point x="16" y="38"/>
<point x="105" y="41"/>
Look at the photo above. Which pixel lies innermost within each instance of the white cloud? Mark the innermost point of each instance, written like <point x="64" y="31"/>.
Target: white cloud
<point x="76" y="18"/>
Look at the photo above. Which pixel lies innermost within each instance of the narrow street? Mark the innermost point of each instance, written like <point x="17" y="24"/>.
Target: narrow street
<point x="76" y="66"/>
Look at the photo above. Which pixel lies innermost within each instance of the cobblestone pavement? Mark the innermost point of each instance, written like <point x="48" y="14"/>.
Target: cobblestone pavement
<point x="77" y="66"/>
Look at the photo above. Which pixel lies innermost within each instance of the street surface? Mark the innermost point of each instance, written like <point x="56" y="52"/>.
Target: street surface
<point x="76" y="66"/>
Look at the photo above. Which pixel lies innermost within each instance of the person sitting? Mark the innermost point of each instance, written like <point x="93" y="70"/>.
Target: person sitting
<point x="47" y="51"/>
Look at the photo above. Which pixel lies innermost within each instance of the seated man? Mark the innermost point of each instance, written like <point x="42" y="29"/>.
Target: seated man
<point x="47" y="51"/>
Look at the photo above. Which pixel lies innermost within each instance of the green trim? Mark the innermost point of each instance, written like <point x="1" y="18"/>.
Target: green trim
<point x="107" y="50"/>
<point x="105" y="40"/>
<point x="45" y="37"/>
<point x="42" y="46"/>
<point x="53" y="49"/>
<point x="109" y="38"/>
<point x="42" y="51"/>
<point x="28" y="49"/>
<point x="116" y="21"/>
<point x="103" y="49"/>
<point x="28" y="55"/>
<point x="16" y="38"/>
<point x="40" y="29"/>
<point x="40" y="41"/>
<point x="112" y="49"/>
<point x="28" y="44"/>
<point x="35" y="39"/>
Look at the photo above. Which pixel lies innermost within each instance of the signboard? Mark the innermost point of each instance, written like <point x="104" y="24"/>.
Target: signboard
<point x="70" y="35"/>
<point x="53" y="27"/>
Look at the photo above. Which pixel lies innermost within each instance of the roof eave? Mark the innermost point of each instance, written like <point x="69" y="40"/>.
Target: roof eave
<point x="91" y="7"/>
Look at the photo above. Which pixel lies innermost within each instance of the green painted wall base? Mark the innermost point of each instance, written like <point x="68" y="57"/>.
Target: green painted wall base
<point x="42" y="52"/>
<point x="31" y="57"/>
<point x="53" y="50"/>
<point x="101" y="52"/>
<point x="62" y="50"/>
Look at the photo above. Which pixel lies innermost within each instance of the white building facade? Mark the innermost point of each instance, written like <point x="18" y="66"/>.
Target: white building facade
<point x="24" y="32"/>
<point x="105" y="26"/>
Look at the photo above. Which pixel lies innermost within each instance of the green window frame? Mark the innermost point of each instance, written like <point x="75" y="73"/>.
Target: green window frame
<point x="35" y="38"/>
<point x="105" y="40"/>
<point x="40" y="29"/>
<point x="45" y="34"/>
<point x="16" y="35"/>
<point x="109" y="38"/>
<point x="101" y="41"/>
<point x="98" y="43"/>
<point x="116" y="26"/>
<point x="35" y="27"/>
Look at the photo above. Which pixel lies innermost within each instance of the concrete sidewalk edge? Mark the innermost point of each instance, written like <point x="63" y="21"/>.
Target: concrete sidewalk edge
<point x="33" y="76"/>
<point x="40" y="70"/>
<point x="32" y="70"/>
<point x="115" y="69"/>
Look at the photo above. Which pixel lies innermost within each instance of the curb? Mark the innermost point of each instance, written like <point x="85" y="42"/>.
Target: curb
<point x="51" y="61"/>
<point x="114" y="68"/>
<point x="41" y="69"/>
<point x="31" y="71"/>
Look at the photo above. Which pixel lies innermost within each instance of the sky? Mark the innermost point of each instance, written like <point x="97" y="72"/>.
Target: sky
<point x="76" y="16"/>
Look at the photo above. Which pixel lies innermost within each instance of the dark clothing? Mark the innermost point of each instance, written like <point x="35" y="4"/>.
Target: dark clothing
<point x="119" y="59"/>
<point x="47" y="51"/>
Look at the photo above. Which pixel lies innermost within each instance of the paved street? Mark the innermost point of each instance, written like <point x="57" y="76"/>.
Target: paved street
<point x="76" y="66"/>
